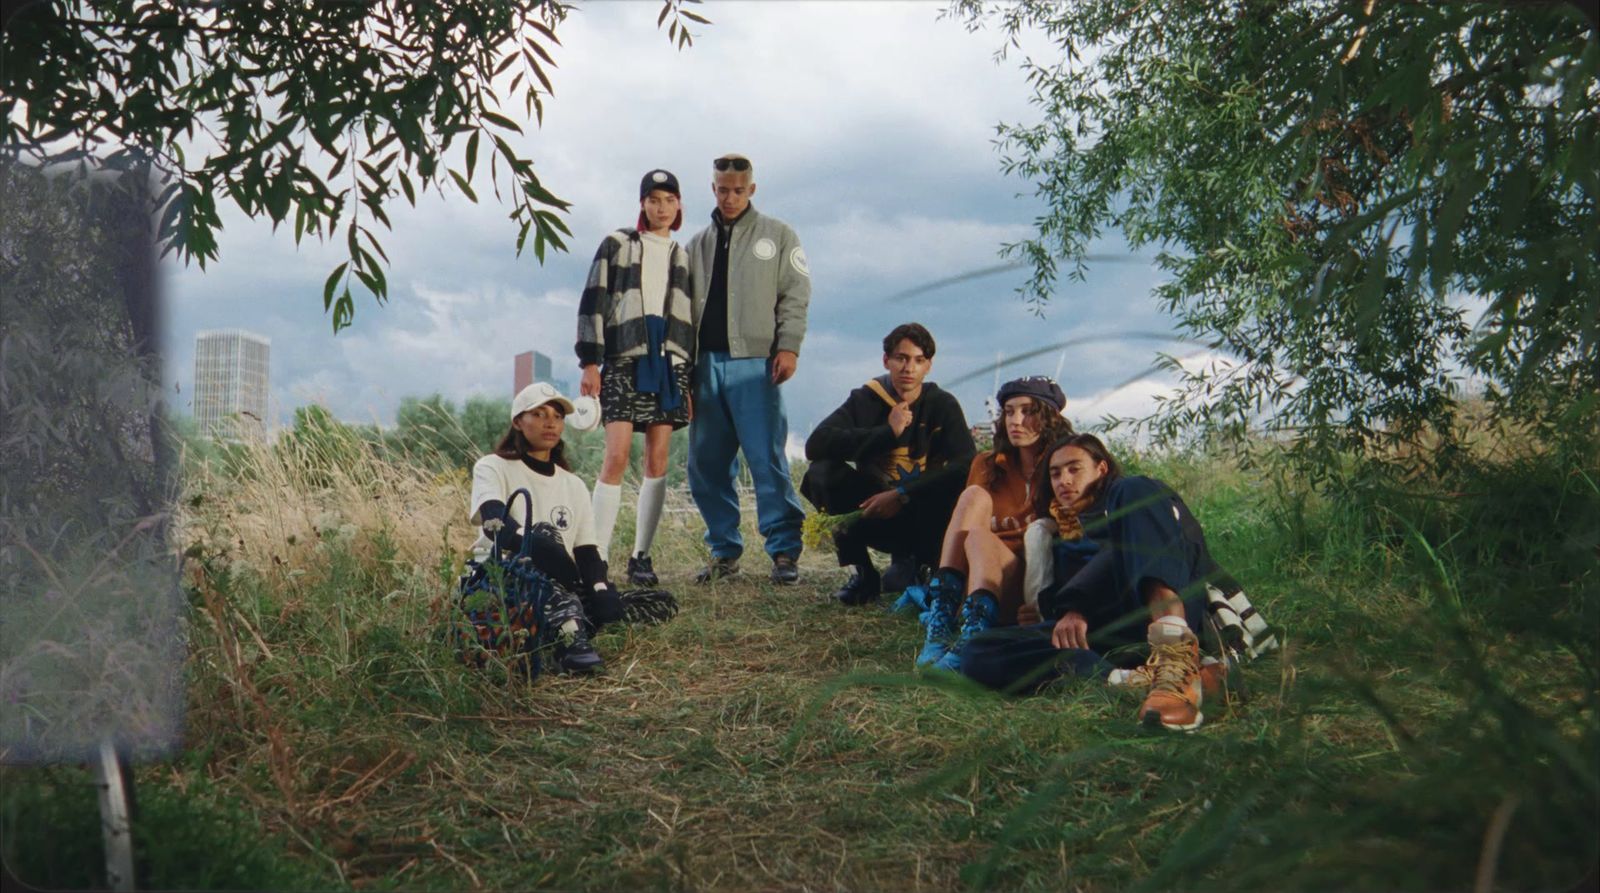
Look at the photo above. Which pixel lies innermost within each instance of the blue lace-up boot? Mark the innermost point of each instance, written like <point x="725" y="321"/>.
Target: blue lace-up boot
<point x="939" y="616"/>
<point x="977" y="614"/>
<point x="913" y="601"/>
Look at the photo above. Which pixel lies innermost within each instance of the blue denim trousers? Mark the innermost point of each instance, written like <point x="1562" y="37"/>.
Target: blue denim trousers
<point x="737" y="407"/>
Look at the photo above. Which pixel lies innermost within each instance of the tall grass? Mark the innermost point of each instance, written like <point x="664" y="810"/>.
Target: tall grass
<point x="1431" y="724"/>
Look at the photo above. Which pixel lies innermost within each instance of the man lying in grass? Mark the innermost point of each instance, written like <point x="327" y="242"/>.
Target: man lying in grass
<point x="1126" y="550"/>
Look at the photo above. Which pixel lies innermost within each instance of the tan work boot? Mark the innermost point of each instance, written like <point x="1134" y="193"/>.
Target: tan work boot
<point x="1174" y="666"/>
<point x="1214" y="678"/>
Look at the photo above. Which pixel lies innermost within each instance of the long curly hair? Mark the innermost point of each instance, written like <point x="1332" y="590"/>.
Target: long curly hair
<point x="1054" y="428"/>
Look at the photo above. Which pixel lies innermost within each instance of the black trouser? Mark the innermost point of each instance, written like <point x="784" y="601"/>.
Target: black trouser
<point x="1149" y="536"/>
<point x="839" y="488"/>
<point x="601" y="606"/>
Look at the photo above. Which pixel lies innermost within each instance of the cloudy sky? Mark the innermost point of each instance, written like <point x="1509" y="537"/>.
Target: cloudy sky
<point x="870" y="124"/>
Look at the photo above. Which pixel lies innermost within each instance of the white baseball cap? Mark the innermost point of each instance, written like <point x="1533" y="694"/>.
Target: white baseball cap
<point x="536" y="395"/>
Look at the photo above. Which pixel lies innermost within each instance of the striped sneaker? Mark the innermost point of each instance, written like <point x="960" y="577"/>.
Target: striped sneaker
<point x="646" y="606"/>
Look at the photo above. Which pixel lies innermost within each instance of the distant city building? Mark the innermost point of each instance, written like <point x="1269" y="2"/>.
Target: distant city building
<point x="231" y="373"/>
<point x="531" y="366"/>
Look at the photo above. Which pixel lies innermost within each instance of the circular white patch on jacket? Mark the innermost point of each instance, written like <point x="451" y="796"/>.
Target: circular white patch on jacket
<point x="764" y="249"/>
<point x="797" y="258"/>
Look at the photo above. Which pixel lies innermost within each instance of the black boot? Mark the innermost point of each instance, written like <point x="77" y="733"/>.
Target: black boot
<point x="862" y="587"/>
<point x="641" y="572"/>
<point x="574" y="653"/>
<point x="903" y="571"/>
<point x="564" y="614"/>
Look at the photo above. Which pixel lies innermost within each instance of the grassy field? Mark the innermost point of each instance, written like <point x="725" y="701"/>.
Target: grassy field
<point x="1431" y="724"/>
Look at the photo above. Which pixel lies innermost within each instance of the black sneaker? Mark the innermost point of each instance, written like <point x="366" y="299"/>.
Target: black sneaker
<point x="574" y="653"/>
<point x="903" y="571"/>
<point x="641" y="572"/>
<point x="862" y="587"/>
<point x="784" y="571"/>
<point x="716" y="569"/>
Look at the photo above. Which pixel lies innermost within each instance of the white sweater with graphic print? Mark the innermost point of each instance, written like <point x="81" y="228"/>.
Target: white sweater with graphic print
<point x="560" y="500"/>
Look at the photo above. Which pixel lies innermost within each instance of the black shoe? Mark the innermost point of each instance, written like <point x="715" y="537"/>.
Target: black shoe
<point x="903" y="571"/>
<point x="574" y="654"/>
<point x="641" y="572"/>
<point x="784" y="571"/>
<point x="716" y="569"/>
<point x="862" y="587"/>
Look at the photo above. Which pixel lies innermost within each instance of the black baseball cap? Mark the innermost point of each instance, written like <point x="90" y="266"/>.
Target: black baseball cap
<point x="658" y="179"/>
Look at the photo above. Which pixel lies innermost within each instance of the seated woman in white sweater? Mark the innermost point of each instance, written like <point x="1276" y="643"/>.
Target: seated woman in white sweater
<point x="532" y="455"/>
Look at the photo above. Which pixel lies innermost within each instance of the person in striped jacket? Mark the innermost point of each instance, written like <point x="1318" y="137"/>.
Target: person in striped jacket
<point x="636" y="346"/>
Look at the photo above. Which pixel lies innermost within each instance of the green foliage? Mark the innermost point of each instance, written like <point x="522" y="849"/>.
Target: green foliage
<point x="484" y="421"/>
<point x="319" y="112"/>
<point x="80" y="378"/>
<point x="192" y="838"/>
<point x="1457" y="616"/>
<point x="85" y="567"/>
<point x="428" y="430"/>
<point x="1337" y="187"/>
<point x="324" y="444"/>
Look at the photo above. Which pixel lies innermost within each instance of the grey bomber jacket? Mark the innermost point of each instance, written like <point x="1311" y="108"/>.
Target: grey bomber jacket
<point x="769" y="284"/>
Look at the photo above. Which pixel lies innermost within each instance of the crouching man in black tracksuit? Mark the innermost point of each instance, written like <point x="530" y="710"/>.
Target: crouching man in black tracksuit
<point x="898" y="450"/>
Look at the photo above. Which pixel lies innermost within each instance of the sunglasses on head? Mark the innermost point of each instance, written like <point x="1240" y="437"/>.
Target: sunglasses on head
<point x="737" y="164"/>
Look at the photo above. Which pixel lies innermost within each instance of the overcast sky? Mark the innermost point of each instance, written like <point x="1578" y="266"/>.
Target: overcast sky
<point x="870" y="124"/>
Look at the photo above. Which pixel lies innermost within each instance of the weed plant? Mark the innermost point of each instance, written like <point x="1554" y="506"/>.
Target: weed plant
<point x="1431" y="723"/>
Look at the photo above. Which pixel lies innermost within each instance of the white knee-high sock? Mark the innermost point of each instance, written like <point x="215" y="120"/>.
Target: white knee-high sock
<point x="652" y="493"/>
<point x="607" y="499"/>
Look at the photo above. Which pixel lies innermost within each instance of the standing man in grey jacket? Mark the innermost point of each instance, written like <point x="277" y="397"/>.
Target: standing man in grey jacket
<point x="751" y="288"/>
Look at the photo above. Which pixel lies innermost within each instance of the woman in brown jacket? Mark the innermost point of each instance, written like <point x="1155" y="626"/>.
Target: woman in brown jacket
<point x="979" y="580"/>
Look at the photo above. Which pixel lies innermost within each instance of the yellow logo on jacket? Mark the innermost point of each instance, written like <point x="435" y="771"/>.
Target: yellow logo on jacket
<point x="898" y="466"/>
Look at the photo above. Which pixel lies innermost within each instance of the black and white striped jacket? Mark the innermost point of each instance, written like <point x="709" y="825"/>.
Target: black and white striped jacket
<point x="611" y="311"/>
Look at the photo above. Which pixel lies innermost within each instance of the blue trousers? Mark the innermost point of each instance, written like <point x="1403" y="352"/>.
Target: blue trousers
<point x="737" y="407"/>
